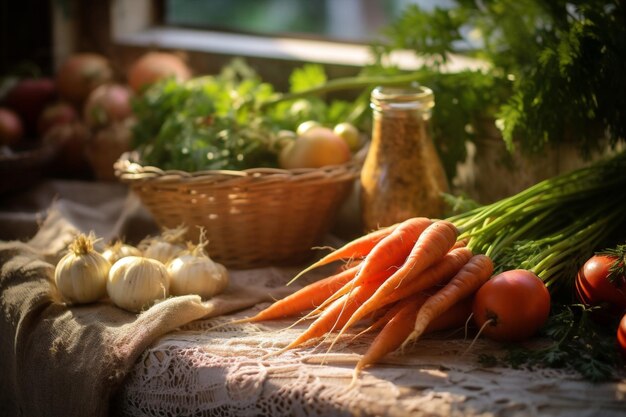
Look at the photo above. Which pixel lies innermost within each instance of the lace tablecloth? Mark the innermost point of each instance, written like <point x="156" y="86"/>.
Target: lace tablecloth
<point x="213" y="368"/>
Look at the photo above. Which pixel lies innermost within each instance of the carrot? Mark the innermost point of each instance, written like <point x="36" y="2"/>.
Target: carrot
<point x="461" y="243"/>
<point x="414" y="282"/>
<point x="335" y="315"/>
<point x="400" y="324"/>
<point x="438" y="274"/>
<point x="392" y="251"/>
<point x="376" y="278"/>
<point x="393" y="333"/>
<point x="356" y="248"/>
<point x="306" y="298"/>
<point x="465" y="283"/>
<point x="456" y="316"/>
<point x="385" y="317"/>
<point x="395" y="308"/>
<point x="387" y="254"/>
<point x="432" y="245"/>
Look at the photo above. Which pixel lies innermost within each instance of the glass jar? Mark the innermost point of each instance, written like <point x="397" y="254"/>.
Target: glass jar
<point x="402" y="175"/>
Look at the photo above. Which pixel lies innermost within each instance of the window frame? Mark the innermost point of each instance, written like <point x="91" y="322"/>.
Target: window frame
<point x="125" y="29"/>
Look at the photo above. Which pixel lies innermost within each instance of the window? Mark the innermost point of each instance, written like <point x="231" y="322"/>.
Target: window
<point x="343" y="20"/>
<point x="331" y="32"/>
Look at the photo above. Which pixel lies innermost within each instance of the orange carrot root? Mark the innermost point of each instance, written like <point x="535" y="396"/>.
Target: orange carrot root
<point x="392" y="251"/>
<point x="356" y="248"/>
<point x="335" y="315"/>
<point x="398" y="328"/>
<point x="306" y="298"/>
<point x="465" y="283"/>
<point x="437" y="274"/>
<point x="393" y="333"/>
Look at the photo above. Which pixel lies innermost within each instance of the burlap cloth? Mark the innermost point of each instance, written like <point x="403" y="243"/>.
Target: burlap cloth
<point x="172" y="360"/>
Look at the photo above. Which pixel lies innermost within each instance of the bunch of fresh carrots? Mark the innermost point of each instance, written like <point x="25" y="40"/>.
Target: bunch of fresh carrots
<point x="408" y="279"/>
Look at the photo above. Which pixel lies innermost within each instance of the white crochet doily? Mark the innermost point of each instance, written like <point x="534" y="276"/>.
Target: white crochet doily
<point x="230" y="371"/>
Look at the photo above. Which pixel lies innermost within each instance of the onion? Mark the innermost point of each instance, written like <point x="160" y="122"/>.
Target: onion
<point x="82" y="73"/>
<point x="11" y="128"/>
<point x="154" y="66"/>
<point x="107" y="104"/>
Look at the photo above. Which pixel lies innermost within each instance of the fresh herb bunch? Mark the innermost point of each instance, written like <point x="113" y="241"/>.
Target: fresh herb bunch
<point x="552" y="227"/>
<point x="555" y="69"/>
<point x="218" y="123"/>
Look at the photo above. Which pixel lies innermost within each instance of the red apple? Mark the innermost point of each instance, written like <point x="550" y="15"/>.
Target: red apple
<point x="154" y="66"/>
<point x="80" y="74"/>
<point x="11" y="129"/>
<point x="107" y="104"/>
<point x="56" y="114"/>
<point x="28" y="98"/>
<point x="71" y="140"/>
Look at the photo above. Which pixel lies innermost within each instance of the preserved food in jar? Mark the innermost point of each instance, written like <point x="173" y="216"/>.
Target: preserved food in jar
<point x="402" y="174"/>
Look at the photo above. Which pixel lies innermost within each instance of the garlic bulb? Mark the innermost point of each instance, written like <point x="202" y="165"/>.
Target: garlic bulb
<point x="193" y="272"/>
<point x="81" y="275"/>
<point x="162" y="251"/>
<point x="119" y="250"/>
<point x="136" y="282"/>
<point x="165" y="247"/>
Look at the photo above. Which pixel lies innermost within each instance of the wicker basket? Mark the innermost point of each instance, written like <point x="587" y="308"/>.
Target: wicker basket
<point x="255" y="217"/>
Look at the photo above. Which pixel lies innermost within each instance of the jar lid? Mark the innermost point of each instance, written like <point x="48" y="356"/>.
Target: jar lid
<point x="402" y="98"/>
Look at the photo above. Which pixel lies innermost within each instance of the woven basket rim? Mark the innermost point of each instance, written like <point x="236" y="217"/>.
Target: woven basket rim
<point x="128" y="168"/>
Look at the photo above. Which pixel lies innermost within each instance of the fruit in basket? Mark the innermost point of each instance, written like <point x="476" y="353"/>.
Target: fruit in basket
<point x="105" y="147"/>
<point x="55" y="114"/>
<point x="154" y="66"/>
<point x="107" y="104"/>
<point x="71" y="140"/>
<point x="349" y="133"/>
<point x="11" y="128"/>
<point x="306" y="126"/>
<point x="80" y="74"/>
<point x="317" y="147"/>
<point x="28" y="97"/>
<point x="511" y="306"/>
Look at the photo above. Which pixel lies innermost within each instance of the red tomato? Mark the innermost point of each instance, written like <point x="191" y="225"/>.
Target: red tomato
<point x="621" y="336"/>
<point x="594" y="288"/>
<point x="514" y="304"/>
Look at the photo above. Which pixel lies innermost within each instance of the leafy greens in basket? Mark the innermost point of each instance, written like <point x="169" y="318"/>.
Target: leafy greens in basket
<point x="216" y="122"/>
